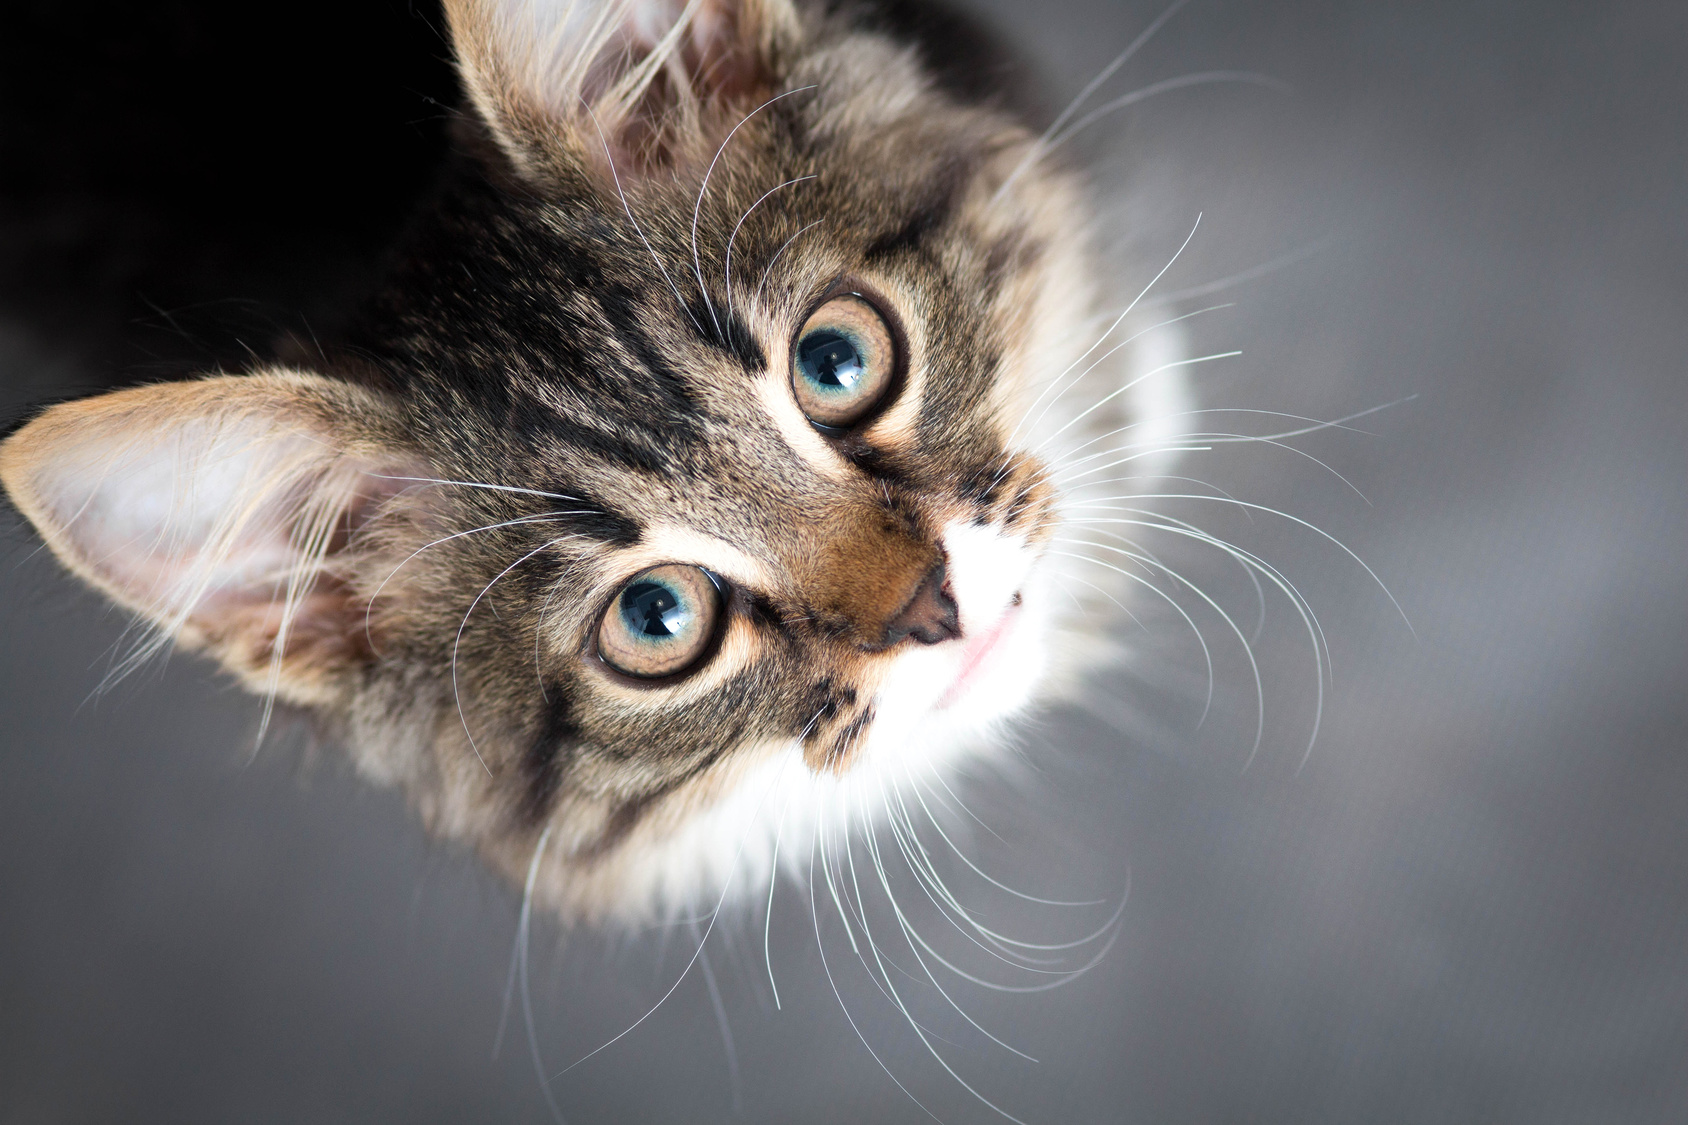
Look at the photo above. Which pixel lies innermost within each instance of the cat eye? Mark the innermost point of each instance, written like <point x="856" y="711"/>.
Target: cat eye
<point x="842" y="362"/>
<point x="661" y="623"/>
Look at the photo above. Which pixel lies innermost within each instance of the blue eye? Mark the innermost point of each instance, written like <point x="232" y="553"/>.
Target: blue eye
<point x="841" y="362"/>
<point x="830" y="360"/>
<point x="654" y="610"/>
<point x="661" y="623"/>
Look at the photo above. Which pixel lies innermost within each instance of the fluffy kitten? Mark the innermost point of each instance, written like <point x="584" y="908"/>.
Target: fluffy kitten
<point x="693" y="477"/>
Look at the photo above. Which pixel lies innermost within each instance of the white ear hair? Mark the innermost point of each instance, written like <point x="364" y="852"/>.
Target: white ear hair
<point x="573" y="82"/>
<point x="206" y="506"/>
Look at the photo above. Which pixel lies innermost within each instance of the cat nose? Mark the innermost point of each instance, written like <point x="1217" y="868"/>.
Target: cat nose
<point x="930" y="616"/>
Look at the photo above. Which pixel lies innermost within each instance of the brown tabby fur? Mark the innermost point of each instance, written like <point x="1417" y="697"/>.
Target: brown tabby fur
<point x="585" y="325"/>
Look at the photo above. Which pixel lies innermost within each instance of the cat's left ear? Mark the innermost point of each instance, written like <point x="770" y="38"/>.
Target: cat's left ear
<point x="223" y="511"/>
<point x="637" y="84"/>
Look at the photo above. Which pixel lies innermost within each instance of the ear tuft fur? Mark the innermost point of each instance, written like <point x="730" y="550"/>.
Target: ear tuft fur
<point x="640" y="84"/>
<point x="213" y="509"/>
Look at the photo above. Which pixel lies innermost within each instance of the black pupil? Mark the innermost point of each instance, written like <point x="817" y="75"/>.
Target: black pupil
<point x="652" y="609"/>
<point x="830" y="359"/>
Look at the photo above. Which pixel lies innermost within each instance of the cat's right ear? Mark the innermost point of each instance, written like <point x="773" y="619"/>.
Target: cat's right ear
<point x="223" y="511"/>
<point x="629" y="86"/>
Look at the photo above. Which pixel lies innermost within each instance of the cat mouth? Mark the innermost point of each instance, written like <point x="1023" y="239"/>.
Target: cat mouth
<point x="976" y="655"/>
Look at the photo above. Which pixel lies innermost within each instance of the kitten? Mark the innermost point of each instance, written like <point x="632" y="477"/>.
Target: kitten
<point x="696" y="474"/>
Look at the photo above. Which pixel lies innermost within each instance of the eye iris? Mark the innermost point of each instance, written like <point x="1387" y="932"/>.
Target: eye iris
<point x="661" y="623"/>
<point x="654" y="610"/>
<point x="842" y="362"/>
<point x="831" y="360"/>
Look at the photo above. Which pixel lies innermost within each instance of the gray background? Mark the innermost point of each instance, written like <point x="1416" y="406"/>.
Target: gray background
<point x="1471" y="904"/>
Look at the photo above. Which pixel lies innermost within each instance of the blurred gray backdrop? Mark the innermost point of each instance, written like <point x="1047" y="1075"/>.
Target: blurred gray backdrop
<point x="1469" y="904"/>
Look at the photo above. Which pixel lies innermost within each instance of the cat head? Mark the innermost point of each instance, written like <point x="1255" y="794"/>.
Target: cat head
<point x="682" y="474"/>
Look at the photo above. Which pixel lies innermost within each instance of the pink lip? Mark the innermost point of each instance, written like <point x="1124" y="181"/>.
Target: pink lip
<point x="977" y="652"/>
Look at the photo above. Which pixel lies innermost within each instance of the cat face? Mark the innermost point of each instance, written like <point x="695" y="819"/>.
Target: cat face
<point x="683" y="474"/>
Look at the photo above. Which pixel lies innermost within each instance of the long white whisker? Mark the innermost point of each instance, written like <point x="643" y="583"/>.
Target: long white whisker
<point x="914" y="784"/>
<point x="1242" y="639"/>
<point x="627" y="207"/>
<point x="1241" y="277"/>
<point x="1068" y="460"/>
<point x="1040" y="146"/>
<point x="1153" y="371"/>
<point x="520" y="964"/>
<point x="714" y="916"/>
<point x="1005" y="944"/>
<point x="906" y="926"/>
<point x="918" y="1030"/>
<point x="543" y="517"/>
<point x="728" y="273"/>
<point x="1109" y="331"/>
<point x="1204" y="78"/>
<point x="458" y="642"/>
<point x="949" y="907"/>
<point x="481" y="484"/>
<point x="726" y="1029"/>
<point x="697" y="208"/>
<point x="1322" y="665"/>
<point x="1212" y="440"/>
<point x="1207" y="656"/>
<point x="1099" y="360"/>
<point x="820" y="945"/>
<point x="1321" y="532"/>
<point x="783" y="246"/>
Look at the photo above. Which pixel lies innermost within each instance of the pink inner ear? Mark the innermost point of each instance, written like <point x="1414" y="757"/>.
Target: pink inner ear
<point x="195" y="513"/>
<point x="210" y="507"/>
<point x="540" y="70"/>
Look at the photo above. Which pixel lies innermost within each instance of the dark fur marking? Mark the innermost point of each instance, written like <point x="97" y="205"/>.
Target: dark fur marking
<point x="874" y="462"/>
<point x="982" y="486"/>
<point x="600" y="521"/>
<point x="627" y="815"/>
<point x="825" y="702"/>
<point x="930" y="213"/>
<point x="848" y="735"/>
<point x="540" y="767"/>
<point x="764" y="613"/>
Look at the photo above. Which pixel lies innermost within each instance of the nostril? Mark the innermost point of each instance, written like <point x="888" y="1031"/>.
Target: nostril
<point x="931" y="616"/>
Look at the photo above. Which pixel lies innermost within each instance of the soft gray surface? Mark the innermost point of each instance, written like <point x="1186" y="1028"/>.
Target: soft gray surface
<point x="1471" y="904"/>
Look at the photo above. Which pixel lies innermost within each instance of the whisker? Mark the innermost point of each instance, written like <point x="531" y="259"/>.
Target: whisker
<point x="1241" y="277"/>
<point x="697" y="208"/>
<point x="770" y="267"/>
<point x="1212" y="440"/>
<point x="1153" y="371"/>
<point x="1248" y="649"/>
<point x="481" y="484"/>
<point x="1321" y="648"/>
<point x="909" y="1016"/>
<point x="627" y="207"/>
<point x="820" y="945"/>
<point x="714" y="916"/>
<point x="914" y="786"/>
<point x="519" y="970"/>
<point x="728" y="273"/>
<point x="1040" y="147"/>
<point x="1207" y="655"/>
<point x="1204" y="78"/>
<point x="544" y="517"/>
<point x="456" y="692"/>
<point x="1120" y="319"/>
<point x="726" y="1029"/>
<point x="1321" y="532"/>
